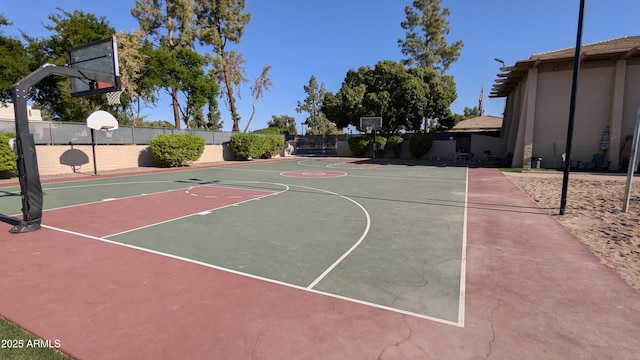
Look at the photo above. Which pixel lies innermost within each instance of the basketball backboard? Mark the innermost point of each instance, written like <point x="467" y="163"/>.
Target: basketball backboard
<point x="97" y="61"/>
<point x="374" y="122"/>
<point x="102" y="120"/>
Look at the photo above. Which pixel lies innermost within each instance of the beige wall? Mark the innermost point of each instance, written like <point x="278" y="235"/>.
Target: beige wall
<point x="481" y="143"/>
<point x="596" y="108"/>
<point x="7" y="112"/>
<point x="64" y="159"/>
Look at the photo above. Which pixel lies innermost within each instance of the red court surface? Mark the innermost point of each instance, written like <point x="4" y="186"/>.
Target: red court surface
<point x="532" y="292"/>
<point x="113" y="216"/>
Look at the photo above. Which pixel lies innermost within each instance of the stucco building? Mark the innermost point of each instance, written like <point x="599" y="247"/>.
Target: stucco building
<point x="538" y="92"/>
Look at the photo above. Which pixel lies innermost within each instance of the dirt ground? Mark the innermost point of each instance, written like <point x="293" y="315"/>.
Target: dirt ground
<point x="593" y="214"/>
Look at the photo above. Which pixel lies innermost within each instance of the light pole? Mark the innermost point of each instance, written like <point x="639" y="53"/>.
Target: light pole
<point x="500" y="61"/>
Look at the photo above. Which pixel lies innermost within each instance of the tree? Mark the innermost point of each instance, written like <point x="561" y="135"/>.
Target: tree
<point x="317" y="122"/>
<point x="169" y="23"/>
<point x="182" y="71"/>
<point x="220" y="23"/>
<point x="425" y="45"/>
<point x="452" y="120"/>
<point x="286" y="124"/>
<point x="132" y="63"/>
<point x="402" y="97"/>
<point x="14" y="62"/>
<point x="263" y="83"/>
<point x="214" y="121"/>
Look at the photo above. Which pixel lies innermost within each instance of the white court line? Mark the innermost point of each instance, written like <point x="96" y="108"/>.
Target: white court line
<point x="463" y="260"/>
<point x="364" y="235"/>
<point x="309" y="288"/>
<point x="404" y="178"/>
<point x="108" y="199"/>
<point x="199" y="213"/>
<point x="272" y="281"/>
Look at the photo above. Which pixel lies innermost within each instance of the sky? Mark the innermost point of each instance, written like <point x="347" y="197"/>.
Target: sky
<point x="326" y="38"/>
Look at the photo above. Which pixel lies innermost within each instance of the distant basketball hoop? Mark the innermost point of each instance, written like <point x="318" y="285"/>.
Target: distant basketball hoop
<point x="371" y="125"/>
<point x="373" y="122"/>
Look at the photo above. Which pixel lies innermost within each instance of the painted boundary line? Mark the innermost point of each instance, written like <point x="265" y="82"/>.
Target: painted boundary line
<point x="463" y="259"/>
<point x="459" y="323"/>
<point x="276" y="282"/>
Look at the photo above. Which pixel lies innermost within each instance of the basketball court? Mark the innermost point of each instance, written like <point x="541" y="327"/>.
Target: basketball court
<point x="307" y="259"/>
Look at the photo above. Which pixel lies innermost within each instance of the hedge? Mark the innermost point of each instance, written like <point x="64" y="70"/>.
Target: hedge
<point x="8" y="164"/>
<point x="250" y="146"/>
<point x="419" y="144"/>
<point x="274" y="145"/>
<point x="395" y="142"/>
<point x="381" y="142"/>
<point x="173" y="150"/>
<point x="359" y="145"/>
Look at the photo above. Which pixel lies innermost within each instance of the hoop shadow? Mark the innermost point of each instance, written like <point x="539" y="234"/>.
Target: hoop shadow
<point x="74" y="158"/>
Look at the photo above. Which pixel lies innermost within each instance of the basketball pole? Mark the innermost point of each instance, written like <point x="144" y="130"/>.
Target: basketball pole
<point x="27" y="161"/>
<point x="572" y="112"/>
<point x="93" y="151"/>
<point x="375" y="146"/>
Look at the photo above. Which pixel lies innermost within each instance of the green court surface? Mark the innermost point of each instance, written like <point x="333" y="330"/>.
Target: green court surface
<point x="387" y="235"/>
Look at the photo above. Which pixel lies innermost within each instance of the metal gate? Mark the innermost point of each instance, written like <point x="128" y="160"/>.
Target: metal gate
<point x="317" y="145"/>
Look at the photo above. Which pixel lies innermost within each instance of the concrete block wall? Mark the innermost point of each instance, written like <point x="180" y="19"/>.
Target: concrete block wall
<point x="66" y="159"/>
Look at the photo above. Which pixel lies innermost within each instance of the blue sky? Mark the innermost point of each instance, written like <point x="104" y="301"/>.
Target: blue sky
<point x="325" y="38"/>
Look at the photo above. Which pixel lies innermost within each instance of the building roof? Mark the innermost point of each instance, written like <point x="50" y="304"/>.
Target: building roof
<point x="615" y="49"/>
<point x="479" y="124"/>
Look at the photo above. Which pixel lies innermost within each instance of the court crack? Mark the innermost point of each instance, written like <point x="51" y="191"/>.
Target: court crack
<point x="418" y="284"/>
<point x="400" y="342"/>
<point x="493" y="330"/>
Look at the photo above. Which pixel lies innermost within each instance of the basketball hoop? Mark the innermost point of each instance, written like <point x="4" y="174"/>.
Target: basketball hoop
<point x="369" y="129"/>
<point x="113" y="98"/>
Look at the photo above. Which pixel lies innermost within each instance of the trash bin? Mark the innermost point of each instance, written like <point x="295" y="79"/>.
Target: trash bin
<point x="535" y="162"/>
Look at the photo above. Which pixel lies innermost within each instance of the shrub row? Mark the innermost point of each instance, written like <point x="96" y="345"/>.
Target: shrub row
<point x="419" y="144"/>
<point x="250" y="146"/>
<point x="8" y="164"/>
<point x="173" y="150"/>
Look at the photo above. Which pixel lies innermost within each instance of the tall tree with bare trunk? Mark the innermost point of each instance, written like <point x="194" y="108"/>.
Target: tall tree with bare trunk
<point x="222" y="22"/>
<point x="169" y="23"/>
<point x="263" y="83"/>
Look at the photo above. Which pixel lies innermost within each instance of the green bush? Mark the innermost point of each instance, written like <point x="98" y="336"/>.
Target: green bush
<point x="269" y="130"/>
<point x="273" y="145"/>
<point x="359" y="144"/>
<point x="381" y="142"/>
<point x="173" y="150"/>
<point x="7" y="157"/>
<point x="250" y="146"/>
<point x="395" y="142"/>
<point x="419" y="144"/>
<point x="246" y="146"/>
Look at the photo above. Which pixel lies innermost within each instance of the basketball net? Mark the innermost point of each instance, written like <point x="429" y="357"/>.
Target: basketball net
<point x="113" y="98"/>
<point x="369" y="129"/>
